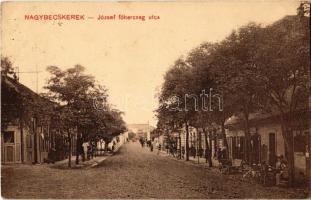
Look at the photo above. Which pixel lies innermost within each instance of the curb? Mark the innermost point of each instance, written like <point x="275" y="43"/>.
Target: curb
<point x="189" y="162"/>
<point x="109" y="155"/>
<point x="97" y="163"/>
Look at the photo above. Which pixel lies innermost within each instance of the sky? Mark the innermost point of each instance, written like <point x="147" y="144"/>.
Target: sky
<point x="129" y="57"/>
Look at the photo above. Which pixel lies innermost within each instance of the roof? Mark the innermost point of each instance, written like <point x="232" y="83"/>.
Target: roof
<point x="253" y="116"/>
<point x="300" y="114"/>
<point x="25" y="92"/>
<point x="17" y="99"/>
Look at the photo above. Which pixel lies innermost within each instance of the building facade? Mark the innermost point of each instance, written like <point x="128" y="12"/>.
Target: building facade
<point x="267" y="141"/>
<point x="26" y="133"/>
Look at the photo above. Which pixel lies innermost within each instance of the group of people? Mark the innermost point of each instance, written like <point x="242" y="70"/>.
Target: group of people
<point x="85" y="149"/>
<point x="270" y="175"/>
<point x="142" y="141"/>
<point x="281" y="170"/>
<point x="149" y="144"/>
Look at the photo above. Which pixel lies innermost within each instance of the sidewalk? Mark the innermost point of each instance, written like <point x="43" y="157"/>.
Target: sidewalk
<point x="63" y="164"/>
<point x="192" y="160"/>
<point x="203" y="161"/>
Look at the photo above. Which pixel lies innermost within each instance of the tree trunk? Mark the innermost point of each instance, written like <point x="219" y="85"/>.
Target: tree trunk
<point x="69" y="150"/>
<point x="198" y="145"/>
<point x="187" y="141"/>
<point x="206" y="150"/>
<point x="179" y="136"/>
<point x="223" y="133"/>
<point x="106" y="146"/>
<point x="291" y="163"/>
<point x="210" y="148"/>
<point x="215" y="142"/>
<point x="287" y="133"/>
<point x="247" y="154"/>
<point x="78" y="142"/>
<point x="308" y="156"/>
<point x="289" y="147"/>
<point x="208" y="155"/>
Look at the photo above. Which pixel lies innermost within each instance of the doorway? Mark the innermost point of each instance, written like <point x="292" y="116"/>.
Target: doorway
<point x="9" y="146"/>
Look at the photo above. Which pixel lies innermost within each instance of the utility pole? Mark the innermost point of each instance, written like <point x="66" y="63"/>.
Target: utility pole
<point x="36" y="147"/>
<point x="148" y="134"/>
<point x="31" y="72"/>
<point x="37" y="82"/>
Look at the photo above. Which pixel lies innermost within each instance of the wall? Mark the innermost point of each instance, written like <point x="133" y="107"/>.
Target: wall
<point x="264" y="131"/>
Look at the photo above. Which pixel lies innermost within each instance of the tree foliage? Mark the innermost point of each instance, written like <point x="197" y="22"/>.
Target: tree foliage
<point x="255" y="69"/>
<point x="83" y="105"/>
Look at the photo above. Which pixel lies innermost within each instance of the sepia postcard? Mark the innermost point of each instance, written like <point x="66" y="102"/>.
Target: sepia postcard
<point x="155" y="99"/>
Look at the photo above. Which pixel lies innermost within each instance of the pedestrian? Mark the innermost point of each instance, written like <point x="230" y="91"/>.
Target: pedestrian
<point x="281" y="170"/>
<point x="218" y="153"/>
<point x="159" y="148"/>
<point x="151" y="147"/>
<point x="206" y="155"/>
<point x="183" y="152"/>
<point x="113" y="146"/>
<point x="79" y="149"/>
<point x="264" y="172"/>
<point x="148" y="143"/>
<point x="89" y="152"/>
<point x="141" y="142"/>
<point x="224" y="153"/>
<point x="94" y="148"/>
<point x="85" y="148"/>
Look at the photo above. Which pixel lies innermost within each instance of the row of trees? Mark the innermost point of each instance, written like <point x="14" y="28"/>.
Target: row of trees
<point x="254" y="69"/>
<point x="80" y="106"/>
<point x="83" y="106"/>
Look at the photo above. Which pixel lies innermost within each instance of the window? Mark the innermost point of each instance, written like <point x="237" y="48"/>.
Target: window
<point x="8" y="136"/>
<point x="299" y="142"/>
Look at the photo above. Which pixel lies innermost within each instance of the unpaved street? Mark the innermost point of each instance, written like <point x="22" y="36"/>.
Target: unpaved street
<point x="133" y="172"/>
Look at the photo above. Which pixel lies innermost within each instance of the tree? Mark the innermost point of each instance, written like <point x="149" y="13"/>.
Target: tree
<point x="70" y="88"/>
<point x="236" y="71"/>
<point x="200" y="60"/>
<point x="172" y="98"/>
<point x="114" y="125"/>
<point x="284" y="59"/>
<point x="83" y="107"/>
<point x="7" y="68"/>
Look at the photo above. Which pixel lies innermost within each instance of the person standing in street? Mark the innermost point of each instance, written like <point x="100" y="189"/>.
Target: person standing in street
<point x="158" y="145"/>
<point x="141" y="142"/>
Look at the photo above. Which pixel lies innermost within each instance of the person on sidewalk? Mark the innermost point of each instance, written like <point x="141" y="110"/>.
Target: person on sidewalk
<point x="85" y="148"/>
<point x="281" y="170"/>
<point x="113" y="146"/>
<point x="79" y="149"/>
<point x="183" y="152"/>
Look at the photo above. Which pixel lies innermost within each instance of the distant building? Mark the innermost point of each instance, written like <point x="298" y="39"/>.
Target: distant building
<point x="141" y="130"/>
